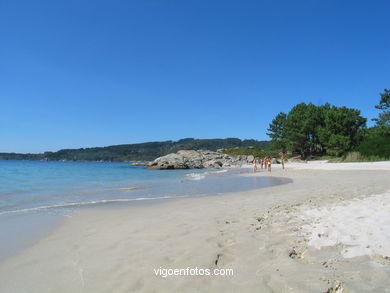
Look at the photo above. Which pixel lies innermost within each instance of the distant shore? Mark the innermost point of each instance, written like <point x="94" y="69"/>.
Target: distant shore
<point x="145" y="151"/>
<point x="270" y="237"/>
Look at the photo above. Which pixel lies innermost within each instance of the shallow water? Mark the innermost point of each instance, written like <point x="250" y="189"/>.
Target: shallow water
<point x="35" y="195"/>
<point x="35" y="186"/>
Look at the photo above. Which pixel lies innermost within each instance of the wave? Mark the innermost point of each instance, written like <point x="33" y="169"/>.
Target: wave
<point x="196" y="176"/>
<point x="86" y="203"/>
<point x="216" y="172"/>
<point x="202" y="175"/>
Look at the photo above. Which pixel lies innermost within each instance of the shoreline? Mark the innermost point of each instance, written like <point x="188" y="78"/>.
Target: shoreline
<point x="24" y="227"/>
<point x="116" y="250"/>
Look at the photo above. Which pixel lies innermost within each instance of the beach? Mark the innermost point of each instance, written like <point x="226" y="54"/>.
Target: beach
<point x="326" y="231"/>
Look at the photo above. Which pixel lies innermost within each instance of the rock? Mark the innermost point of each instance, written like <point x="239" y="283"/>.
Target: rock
<point x="250" y="159"/>
<point x="212" y="164"/>
<point x="194" y="155"/>
<point x="242" y="158"/>
<point x="296" y="159"/>
<point x="336" y="287"/>
<point x="171" y="161"/>
<point x="190" y="159"/>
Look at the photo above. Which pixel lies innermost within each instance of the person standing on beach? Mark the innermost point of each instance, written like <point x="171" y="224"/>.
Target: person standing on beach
<point x="269" y="164"/>
<point x="254" y="165"/>
<point x="282" y="157"/>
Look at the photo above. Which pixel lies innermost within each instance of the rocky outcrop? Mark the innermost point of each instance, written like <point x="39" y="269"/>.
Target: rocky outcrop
<point x="198" y="160"/>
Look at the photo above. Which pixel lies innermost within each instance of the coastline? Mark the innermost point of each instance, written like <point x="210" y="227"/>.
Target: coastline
<point x="116" y="250"/>
<point x="25" y="220"/>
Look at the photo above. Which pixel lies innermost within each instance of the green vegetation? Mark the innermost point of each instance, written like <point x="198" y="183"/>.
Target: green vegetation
<point x="375" y="141"/>
<point x="384" y="105"/>
<point x="134" y="152"/>
<point x="375" y="145"/>
<point x="315" y="130"/>
<point x="328" y="130"/>
<point x="358" y="157"/>
<point x="260" y="150"/>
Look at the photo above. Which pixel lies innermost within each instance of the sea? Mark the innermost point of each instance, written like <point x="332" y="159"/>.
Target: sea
<point x="35" y="196"/>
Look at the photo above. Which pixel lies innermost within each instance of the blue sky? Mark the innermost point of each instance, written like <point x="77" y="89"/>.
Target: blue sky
<point x="81" y="73"/>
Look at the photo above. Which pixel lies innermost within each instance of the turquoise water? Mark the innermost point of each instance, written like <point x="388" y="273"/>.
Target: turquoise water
<point x="27" y="186"/>
<point x="37" y="186"/>
<point x="36" y="195"/>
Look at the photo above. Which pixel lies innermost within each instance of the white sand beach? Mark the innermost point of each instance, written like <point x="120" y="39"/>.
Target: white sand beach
<point x="327" y="231"/>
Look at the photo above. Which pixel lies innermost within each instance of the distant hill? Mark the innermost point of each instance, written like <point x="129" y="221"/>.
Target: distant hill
<point x="137" y="152"/>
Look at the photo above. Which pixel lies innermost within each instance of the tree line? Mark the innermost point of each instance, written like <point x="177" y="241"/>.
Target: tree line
<point x="308" y="129"/>
<point x="134" y="152"/>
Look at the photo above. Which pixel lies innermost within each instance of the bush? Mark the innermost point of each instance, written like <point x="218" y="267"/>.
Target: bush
<point x="358" y="157"/>
<point x="376" y="143"/>
<point x="353" y="157"/>
<point x="259" y="153"/>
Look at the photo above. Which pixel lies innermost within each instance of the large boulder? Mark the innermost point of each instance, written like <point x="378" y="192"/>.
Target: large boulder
<point x="171" y="161"/>
<point x="212" y="164"/>
<point x="190" y="159"/>
<point x="250" y="159"/>
<point x="191" y="155"/>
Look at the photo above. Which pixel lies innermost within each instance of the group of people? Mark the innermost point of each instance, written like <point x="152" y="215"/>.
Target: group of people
<point x="265" y="163"/>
